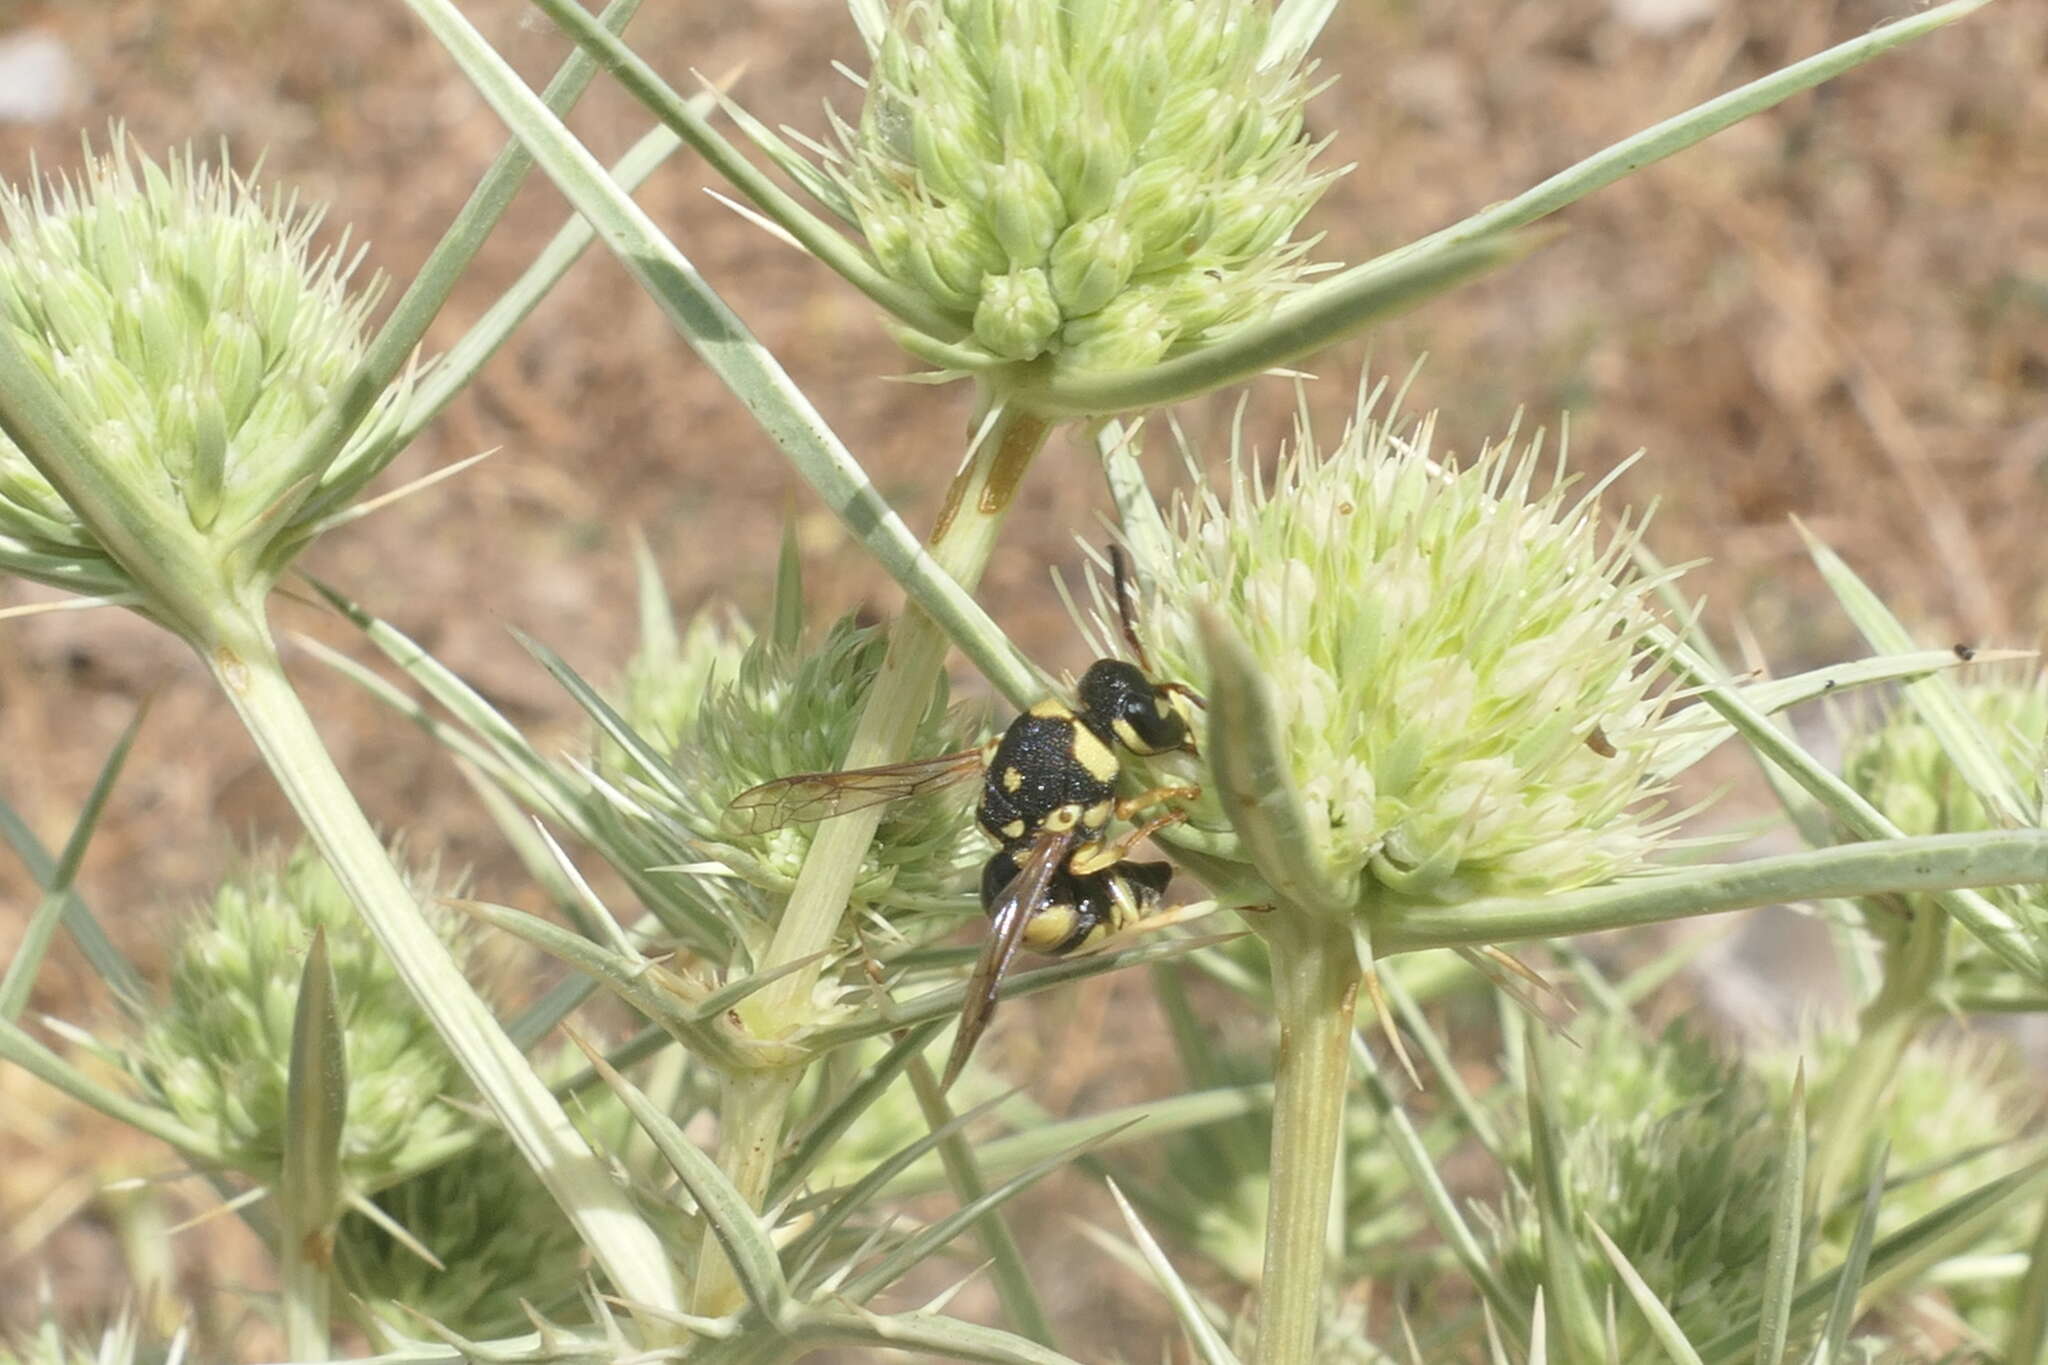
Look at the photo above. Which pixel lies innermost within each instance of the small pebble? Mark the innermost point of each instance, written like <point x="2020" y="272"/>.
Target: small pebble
<point x="38" y="81"/>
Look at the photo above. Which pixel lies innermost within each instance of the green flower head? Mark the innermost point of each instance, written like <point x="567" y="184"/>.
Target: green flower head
<point x="1898" y="763"/>
<point x="1671" y="1151"/>
<point x="744" y="717"/>
<point x="187" y="337"/>
<point x="1083" y="185"/>
<point x="1466" y="677"/>
<point x="218" y="1054"/>
<point x="498" y="1234"/>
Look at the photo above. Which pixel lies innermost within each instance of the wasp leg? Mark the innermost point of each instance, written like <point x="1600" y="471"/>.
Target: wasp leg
<point x="1130" y="806"/>
<point x="1096" y="857"/>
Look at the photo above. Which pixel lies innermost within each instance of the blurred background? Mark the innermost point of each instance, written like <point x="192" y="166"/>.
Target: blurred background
<point x="1838" y="311"/>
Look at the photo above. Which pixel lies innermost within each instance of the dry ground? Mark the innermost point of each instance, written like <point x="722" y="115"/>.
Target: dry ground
<point x="1839" y="311"/>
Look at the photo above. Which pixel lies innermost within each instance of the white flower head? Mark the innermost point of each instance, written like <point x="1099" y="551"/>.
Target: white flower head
<point x="1467" y="671"/>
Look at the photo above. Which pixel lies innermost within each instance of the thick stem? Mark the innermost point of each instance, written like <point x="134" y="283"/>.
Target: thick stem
<point x="1315" y="989"/>
<point x="1885" y="1028"/>
<point x="750" y="1124"/>
<point x="247" y="666"/>
<point x="306" y="1294"/>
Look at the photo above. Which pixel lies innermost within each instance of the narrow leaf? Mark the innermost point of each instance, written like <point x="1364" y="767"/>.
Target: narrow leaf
<point x="725" y="344"/>
<point x="2027" y="1339"/>
<point x="1969" y="748"/>
<point x="928" y="1240"/>
<point x="1254" y="778"/>
<point x="1788" y="1215"/>
<point x="749" y="1249"/>
<point x="1193" y="1320"/>
<point x="828" y="1127"/>
<point x="1662" y="1325"/>
<point x="1834" y="1337"/>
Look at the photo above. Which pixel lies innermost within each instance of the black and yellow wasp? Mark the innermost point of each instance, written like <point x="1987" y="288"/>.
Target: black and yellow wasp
<point x="1057" y="881"/>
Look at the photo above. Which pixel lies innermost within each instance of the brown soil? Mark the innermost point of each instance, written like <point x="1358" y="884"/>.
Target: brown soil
<point x="1838" y="311"/>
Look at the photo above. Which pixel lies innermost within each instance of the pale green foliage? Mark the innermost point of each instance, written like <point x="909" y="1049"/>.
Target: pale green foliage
<point x="787" y="711"/>
<point x="1451" y="649"/>
<point x="1101" y="183"/>
<point x="120" y="1344"/>
<point x="218" y="1052"/>
<point x="1956" y="1111"/>
<point x="191" y="328"/>
<point x="669" y="676"/>
<point x="1899" y="765"/>
<point x="1670" y="1150"/>
<point x="495" y="1229"/>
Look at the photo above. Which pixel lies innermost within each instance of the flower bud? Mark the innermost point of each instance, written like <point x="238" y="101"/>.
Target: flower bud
<point x="1017" y="315"/>
<point x="1669" y="1150"/>
<point x="1091" y="263"/>
<point x="1026" y="212"/>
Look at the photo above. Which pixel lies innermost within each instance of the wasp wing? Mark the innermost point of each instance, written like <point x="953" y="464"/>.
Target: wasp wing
<point x="805" y="797"/>
<point x="1009" y="915"/>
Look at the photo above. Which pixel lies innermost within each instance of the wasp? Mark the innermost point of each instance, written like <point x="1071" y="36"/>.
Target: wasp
<point x="1058" y="881"/>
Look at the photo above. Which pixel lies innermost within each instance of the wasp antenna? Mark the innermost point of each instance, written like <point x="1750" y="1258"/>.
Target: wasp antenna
<point x="1127" y="605"/>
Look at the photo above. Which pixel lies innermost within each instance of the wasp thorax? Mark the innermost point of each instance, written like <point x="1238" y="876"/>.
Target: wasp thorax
<point x="1138" y="713"/>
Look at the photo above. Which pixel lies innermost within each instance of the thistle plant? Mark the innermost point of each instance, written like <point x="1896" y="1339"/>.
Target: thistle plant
<point x="1442" y="713"/>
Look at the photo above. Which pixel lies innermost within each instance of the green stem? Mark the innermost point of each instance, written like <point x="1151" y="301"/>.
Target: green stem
<point x="306" y="1287"/>
<point x="1315" y="988"/>
<point x="1886" y="1027"/>
<point x="245" y="662"/>
<point x="750" y="1121"/>
<point x="1935" y="862"/>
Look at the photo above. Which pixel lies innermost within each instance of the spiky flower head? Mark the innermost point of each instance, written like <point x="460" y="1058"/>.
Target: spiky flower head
<point x="1955" y="1117"/>
<point x="672" y="672"/>
<point x="1081" y="185"/>
<point x="1899" y="764"/>
<point x="1670" y="1149"/>
<point x="218" y="1053"/>
<point x="189" y="336"/>
<point x="1466" y="676"/>
<point x="791" y="708"/>
<point x="499" y="1236"/>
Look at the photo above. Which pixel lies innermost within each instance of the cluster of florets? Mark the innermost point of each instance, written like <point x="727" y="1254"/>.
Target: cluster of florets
<point x="1468" y="676"/>
<point x="218" y="1053"/>
<point x="1102" y="183"/>
<point x="191" y="332"/>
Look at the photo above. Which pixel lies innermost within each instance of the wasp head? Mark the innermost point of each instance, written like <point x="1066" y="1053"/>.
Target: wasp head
<point x="1145" y="717"/>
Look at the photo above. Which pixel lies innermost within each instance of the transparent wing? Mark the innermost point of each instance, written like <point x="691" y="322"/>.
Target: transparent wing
<point x="1010" y="914"/>
<point x="804" y="797"/>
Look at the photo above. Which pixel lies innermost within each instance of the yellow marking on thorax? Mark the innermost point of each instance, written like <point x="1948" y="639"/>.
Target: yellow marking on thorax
<point x="1012" y="779"/>
<point x="1065" y="818"/>
<point x="1097" y="757"/>
<point x="1052" y="708"/>
<point x="1014" y="830"/>
<point x="1097" y="815"/>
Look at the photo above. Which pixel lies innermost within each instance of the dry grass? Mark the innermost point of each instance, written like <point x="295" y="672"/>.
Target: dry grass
<point x="1839" y="311"/>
